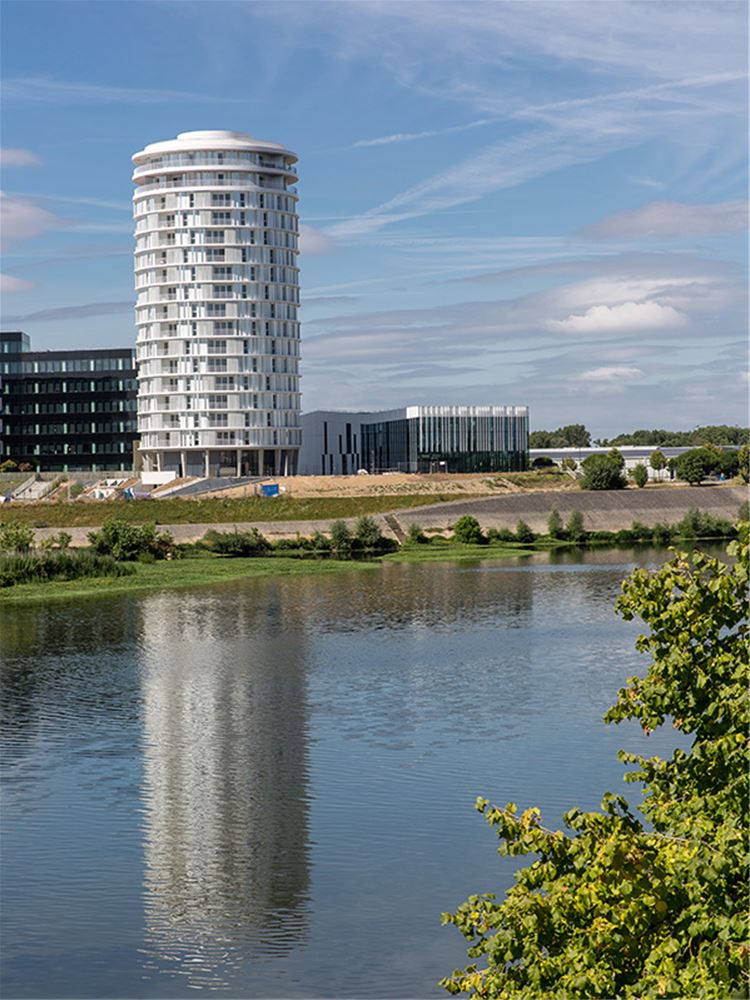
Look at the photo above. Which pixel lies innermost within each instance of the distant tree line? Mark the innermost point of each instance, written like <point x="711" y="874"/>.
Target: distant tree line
<point x="577" y="436"/>
<point x="718" y="434"/>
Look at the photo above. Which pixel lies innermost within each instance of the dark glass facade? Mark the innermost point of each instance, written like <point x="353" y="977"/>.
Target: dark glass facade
<point x="66" y="411"/>
<point x="448" y="439"/>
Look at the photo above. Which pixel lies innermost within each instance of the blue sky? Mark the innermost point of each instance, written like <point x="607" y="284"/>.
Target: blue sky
<point x="508" y="202"/>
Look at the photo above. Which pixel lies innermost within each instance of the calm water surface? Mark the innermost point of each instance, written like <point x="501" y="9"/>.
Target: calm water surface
<point x="265" y="789"/>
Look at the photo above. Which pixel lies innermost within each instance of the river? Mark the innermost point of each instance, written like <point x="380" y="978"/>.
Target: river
<point x="265" y="788"/>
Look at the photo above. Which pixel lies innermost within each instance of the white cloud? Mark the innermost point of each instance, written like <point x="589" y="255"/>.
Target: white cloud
<point x="18" y="158"/>
<point x="21" y="218"/>
<point x="10" y="283"/>
<point x="611" y="374"/>
<point x="388" y="140"/>
<point x="41" y="90"/>
<point x="314" y="242"/>
<point x="624" y="318"/>
<point x="671" y="219"/>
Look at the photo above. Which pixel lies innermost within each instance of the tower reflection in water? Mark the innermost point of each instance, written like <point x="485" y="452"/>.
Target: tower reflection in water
<point x="225" y="779"/>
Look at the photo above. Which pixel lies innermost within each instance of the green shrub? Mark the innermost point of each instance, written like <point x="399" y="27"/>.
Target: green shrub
<point x="569" y="463"/>
<point x="639" y="475"/>
<point x="15" y="537"/>
<point x="500" y="535"/>
<point x="127" y="542"/>
<point x="237" y="544"/>
<point x="542" y="462"/>
<point x="288" y="544"/>
<point x="524" y="532"/>
<point x="555" y="524"/>
<point x="61" y="540"/>
<point x="8" y="466"/>
<point x="367" y="532"/>
<point x="574" y="529"/>
<point x="320" y="542"/>
<point x="415" y="535"/>
<point x="37" y="568"/>
<point x="639" y="531"/>
<point x="662" y="534"/>
<point x="468" y="531"/>
<point x="700" y="524"/>
<point x="601" y="536"/>
<point x="602" y="472"/>
<point x="743" y="514"/>
<point x="341" y="540"/>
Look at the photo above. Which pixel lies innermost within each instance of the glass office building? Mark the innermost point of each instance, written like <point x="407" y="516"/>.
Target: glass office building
<point x="66" y="411"/>
<point x="417" y="439"/>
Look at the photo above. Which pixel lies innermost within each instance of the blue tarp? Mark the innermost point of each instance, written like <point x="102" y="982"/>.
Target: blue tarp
<point x="270" y="489"/>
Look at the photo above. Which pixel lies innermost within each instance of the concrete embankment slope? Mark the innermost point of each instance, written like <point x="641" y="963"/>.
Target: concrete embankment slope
<point x="605" y="510"/>
<point x="602" y="511"/>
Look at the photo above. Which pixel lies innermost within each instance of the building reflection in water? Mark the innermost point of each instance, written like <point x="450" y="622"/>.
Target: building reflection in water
<point x="225" y="781"/>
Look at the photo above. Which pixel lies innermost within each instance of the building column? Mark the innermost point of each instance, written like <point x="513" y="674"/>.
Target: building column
<point x="183" y="463"/>
<point x="239" y="463"/>
<point x="206" y="465"/>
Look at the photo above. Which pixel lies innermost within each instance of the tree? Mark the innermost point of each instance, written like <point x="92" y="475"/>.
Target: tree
<point x="693" y="466"/>
<point x="626" y="908"/>
<point x="574" y="529"/>
<point x="524" y="532"/>
<point x="657" y="461"/>
<point x="468" y="531"/>
<point x="570" y="436"/>
<point x="743" y="458"/>
<point x="126" y="542"/>
<point x="617" y="457"/>
<point x="640" y="475"/>
<point x="555" y="524"/>
<point x="15" y="536"/>
<point x="601" y="472"/>
<point x="341" y="540"/>
<point x="367" y="532"/>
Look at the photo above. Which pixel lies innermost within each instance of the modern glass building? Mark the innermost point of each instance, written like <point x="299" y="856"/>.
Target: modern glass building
<point x="417" y="439"/>
<point x="217" y="296"/>
<point x="65" y="411"/>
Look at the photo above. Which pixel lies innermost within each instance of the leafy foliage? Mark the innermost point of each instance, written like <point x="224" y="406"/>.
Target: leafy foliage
<point x="657" y="461"/>
<point x="15" y="537"/>
<point x="570" y="436"/>
<point x="415" y="535"/>
<point x="367" y="532"/>
<point x="341" y="540"/>
<point x="602" y="472"/>
<point x="574" y="529"/>
<point x="524" y="532"/>
<point x="555" y="524"/>
<point x="719" y="434"/>
<point x="625" y="909"/>
<point x="743" y="463"/>
<point x="237" y="544"/>
<point x="693" y="466"/>
<point x="61" y="565"/>
<point x="127" y="542"/>
<point x="640" y="475"/>
<point x="468" y="531"/>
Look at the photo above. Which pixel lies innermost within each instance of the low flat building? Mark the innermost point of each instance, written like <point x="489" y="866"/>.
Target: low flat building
<point x="65" y="411"/>
<point x="416" y="439"/>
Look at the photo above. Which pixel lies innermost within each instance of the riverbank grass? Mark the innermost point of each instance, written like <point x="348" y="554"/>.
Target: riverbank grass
<point x="177" y="574"/>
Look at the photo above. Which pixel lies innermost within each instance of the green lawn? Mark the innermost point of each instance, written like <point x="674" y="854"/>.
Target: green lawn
<point x="212" y="509"/>
<point x="180" y="573"/>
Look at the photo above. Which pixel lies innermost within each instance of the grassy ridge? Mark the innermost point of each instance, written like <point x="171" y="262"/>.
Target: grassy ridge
<point x="211" y="510"/>
<point x="175" y="575"/>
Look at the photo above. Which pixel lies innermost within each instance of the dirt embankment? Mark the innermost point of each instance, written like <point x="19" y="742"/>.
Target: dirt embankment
<point x="410" y="484"/>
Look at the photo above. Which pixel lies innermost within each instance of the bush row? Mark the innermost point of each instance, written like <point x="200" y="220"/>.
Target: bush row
<point x="37" y="567"/>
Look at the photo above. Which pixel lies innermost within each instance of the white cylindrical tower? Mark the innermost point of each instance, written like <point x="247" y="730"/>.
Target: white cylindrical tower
<point x="217" y="288"/>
